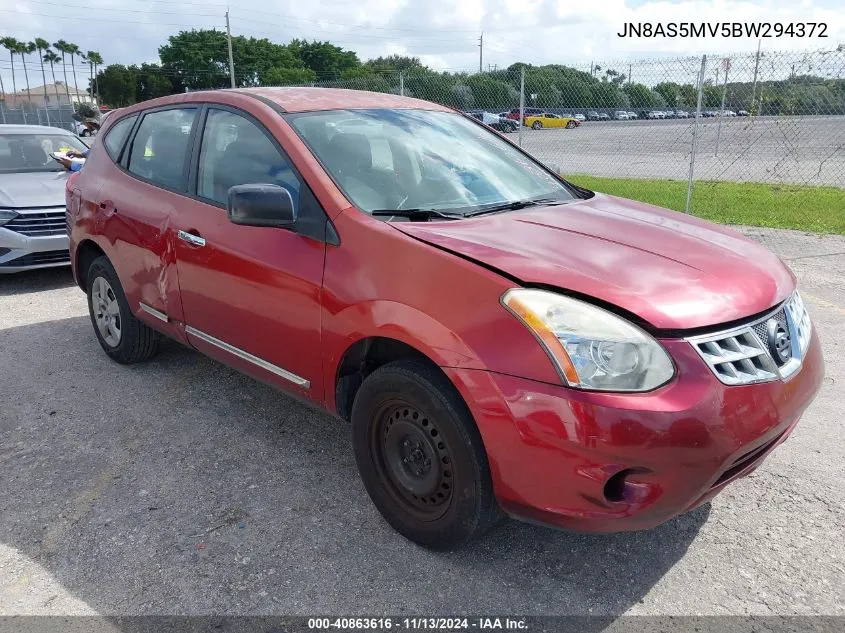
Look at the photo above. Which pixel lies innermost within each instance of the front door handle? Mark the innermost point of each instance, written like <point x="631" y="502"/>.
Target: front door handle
<point x="190" y="238"/>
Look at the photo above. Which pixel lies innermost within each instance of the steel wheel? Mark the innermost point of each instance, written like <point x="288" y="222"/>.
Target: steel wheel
<point x="414" y="459"/>
<point x="536" y="125"/>
<point x="106" y="311"/>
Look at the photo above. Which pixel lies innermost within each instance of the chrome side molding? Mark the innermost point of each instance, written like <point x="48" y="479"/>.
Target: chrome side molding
<point x="259" y="362"/>
<point x="161" y="316"/>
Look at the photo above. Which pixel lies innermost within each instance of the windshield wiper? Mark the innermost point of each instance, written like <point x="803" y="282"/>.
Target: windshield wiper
<point x="417" y="215"/>
<point x="516" y="205"/>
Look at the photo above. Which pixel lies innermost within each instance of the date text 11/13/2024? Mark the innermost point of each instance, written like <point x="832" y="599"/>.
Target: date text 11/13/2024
<point x="418" y="624"/>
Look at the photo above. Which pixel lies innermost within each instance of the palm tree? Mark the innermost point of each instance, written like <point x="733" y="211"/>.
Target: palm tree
<point x="51" y="58"/>
<point x="94" y="60"/>
<point x="2" y="96"/>
<point x="42" y="45"/>
<point x="26" y="48"/>
<point x="11" y="45"/>
<point x="73" y="49"/>
<point x="62" y="47"/>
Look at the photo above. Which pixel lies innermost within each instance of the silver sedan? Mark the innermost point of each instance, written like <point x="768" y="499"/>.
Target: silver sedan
<point x="33" y="233"/>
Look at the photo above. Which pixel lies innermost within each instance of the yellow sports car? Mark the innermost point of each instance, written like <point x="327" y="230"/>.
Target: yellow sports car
<point x="539" y="121"/>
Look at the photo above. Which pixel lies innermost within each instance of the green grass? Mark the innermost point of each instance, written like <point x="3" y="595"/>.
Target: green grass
<point x="806" y="208"/>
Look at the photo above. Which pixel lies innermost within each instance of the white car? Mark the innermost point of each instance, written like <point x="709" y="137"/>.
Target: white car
<point x="621" y="115"/>
<point x="656" y="114"/>
<point x="33" y="233"/>
<point x="579" y="117"/>
<point x="632" y="115"/>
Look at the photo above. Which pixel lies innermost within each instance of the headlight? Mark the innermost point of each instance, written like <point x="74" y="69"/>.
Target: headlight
<point x="800" y="318"/>
<point x="7" y="216"/>
<point x="591" y="348"/>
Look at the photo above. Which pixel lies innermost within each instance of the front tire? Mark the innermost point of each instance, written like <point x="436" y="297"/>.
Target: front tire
<point x="123" y="338"/>
<point x="421" y="457"/>
<point x="536" y="125"/>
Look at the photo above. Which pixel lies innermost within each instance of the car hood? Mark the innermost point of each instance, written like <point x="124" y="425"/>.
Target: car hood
<point x="33" y="189"/>
<point x="671" y="270"/>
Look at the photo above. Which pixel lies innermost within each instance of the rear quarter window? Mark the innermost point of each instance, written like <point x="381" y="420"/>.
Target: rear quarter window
<point x="116" y="136"/>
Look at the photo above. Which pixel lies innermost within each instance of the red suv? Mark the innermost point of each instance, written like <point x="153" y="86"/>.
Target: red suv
<point x="500" y="340"/>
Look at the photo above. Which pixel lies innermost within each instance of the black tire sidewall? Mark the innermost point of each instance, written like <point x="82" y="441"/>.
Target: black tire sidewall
<point x="472" y="496"/>
<point x="124" y="351"/>
<point x="101" y="267"/>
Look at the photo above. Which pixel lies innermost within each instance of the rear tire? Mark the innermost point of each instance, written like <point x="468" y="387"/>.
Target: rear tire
<point x="536" y="125"/>
<point x="570" y="124"/>
<point x="421" y="457"/>
<point x="123" y="338"/>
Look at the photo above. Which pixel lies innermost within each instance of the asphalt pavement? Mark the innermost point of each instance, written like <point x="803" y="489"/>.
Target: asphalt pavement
<point x="789" y="150"/>
<point x="182" y="487"/>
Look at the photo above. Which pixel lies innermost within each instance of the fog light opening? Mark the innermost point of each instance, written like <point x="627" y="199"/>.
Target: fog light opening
<point x="618" y="488"/>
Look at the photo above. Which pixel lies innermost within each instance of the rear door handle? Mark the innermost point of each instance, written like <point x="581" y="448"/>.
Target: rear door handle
<point x="190" y="238"/>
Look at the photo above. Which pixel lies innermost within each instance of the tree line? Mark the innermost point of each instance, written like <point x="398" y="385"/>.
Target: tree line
<point x="64" y="51"/>
<point x="198" y="60"/>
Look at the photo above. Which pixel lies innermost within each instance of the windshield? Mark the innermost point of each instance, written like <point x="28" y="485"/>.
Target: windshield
<point x="419" y="159"/>
<point x="21" y="153"/>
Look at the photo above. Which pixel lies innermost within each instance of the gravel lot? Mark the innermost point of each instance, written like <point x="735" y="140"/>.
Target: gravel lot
<point x="802" y="150"/>
<point x="180" y="486"/>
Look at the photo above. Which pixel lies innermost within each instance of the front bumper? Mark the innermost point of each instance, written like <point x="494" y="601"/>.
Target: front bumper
<point x="20" y="252"/>
<point x="554" y="451"/>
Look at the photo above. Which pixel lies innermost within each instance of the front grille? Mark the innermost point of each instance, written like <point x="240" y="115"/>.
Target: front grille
<point x="741" y="356"/>
<point x="41" y="224"/>
<point x="762" y="330"/>
<point x="738" y="359"/>
<point x="38" y="259"/>
<point x="801" y="321"/>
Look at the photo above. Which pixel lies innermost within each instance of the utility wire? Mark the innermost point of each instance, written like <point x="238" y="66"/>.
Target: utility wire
<point x="87" y="19"/>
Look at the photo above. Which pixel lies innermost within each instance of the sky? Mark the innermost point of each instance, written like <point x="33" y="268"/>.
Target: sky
<point x="443" y="33"/>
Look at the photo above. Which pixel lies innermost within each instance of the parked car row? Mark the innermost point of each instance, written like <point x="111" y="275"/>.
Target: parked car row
<point x="509" y="121"/>
<point x="496" y="121"/>
<point x="499" y="341"/>
<point x="593" y="115"/>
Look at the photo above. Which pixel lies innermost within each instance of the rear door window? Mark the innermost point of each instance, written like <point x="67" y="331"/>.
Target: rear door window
<point x="116" y="136"/>
<point x="161" y="145"/>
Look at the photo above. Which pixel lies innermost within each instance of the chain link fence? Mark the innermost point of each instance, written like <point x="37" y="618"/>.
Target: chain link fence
<point x="58" y="116"/>
<point x="753" y="138"/>
<point x="697" y="134"/>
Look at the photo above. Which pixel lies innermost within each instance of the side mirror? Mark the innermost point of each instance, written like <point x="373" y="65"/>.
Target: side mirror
<point x="261" y="205"/>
